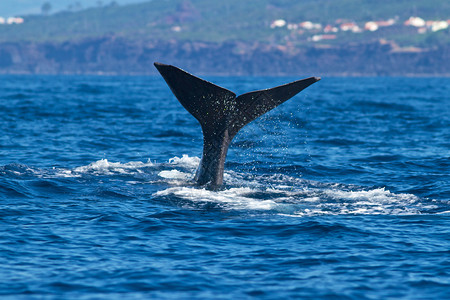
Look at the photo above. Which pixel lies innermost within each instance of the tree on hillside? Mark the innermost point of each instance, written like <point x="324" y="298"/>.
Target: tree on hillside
<point x="46" y="8"/>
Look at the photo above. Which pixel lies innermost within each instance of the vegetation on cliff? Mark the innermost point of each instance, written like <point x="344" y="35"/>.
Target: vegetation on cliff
<point x="250" y="21"/>
<point x="348" y="37"/>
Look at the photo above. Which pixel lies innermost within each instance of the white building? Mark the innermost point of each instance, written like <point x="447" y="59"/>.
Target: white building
<point x="371" y="26"/>
<point x="439" y="25"/>
<point x="278" y="23"/>
<point x="416" y="22"/>
<point x="12" y="20"/>
<point x="308" y="25"/>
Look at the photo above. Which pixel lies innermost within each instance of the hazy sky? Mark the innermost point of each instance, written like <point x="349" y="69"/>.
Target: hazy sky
<point x="9" y="8"/>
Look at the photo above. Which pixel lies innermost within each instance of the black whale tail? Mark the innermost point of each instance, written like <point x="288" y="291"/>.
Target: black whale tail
<point x="221" y="114"/>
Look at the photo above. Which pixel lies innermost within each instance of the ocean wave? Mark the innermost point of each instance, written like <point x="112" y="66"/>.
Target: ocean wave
<point x="185" y="161"/>
<point x="105" y="167"/>
<point x="172" y="183"/>
<point x="308" y="201"/>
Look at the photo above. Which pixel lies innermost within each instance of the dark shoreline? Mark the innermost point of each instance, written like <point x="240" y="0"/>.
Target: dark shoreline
<point x="152" y="74"/>
<point x="119" y="56"/>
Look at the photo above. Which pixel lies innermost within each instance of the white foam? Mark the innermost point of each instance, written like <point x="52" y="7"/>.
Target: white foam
<point x="277" y="193"/>
<point x="234" y="198"/>
<point x="175" y="177"/>
<point x="304" y="201"/>
<point x="380" y="195"/>
<point x="105" y="167"/>
<point x="174" y="174"/>
<point x="185" y="161"/>
<point x="66" y="173"/>
<point x="365" y="202"/>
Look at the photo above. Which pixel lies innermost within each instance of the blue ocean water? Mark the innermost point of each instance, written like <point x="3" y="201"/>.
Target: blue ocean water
<point x="340" y="193"/>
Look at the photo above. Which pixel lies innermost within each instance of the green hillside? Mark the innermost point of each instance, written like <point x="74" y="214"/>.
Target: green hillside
<point x="206" y="20"/>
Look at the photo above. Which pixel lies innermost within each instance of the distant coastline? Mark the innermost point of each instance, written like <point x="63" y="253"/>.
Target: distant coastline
<point x="273" y="38"/>
<point x="118" y="56"/>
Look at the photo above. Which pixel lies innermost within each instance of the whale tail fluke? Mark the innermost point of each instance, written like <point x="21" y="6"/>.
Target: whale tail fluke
<point x="254" y="104"/>
<point x="221" y="114"/>
<point x="210" y="104"/>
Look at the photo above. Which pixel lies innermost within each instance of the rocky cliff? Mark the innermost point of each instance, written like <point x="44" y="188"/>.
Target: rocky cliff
<point x="111" y="55"/>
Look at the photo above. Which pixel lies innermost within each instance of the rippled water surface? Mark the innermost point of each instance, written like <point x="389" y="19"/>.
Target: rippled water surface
<point x="340" y="193"/>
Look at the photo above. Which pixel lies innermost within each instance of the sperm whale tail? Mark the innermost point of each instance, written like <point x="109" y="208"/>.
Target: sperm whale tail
<point x="221" y="114"/>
